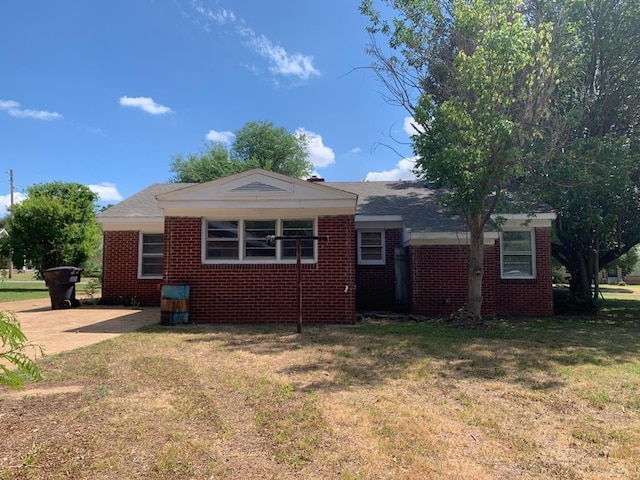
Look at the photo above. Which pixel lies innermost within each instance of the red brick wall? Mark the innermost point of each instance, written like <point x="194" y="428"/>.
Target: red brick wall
<point x="250" y="293"/>
<point x="120" y="283"/>
<point x="530" y="297"/>
<point x="268" y="293"/>
<point x="375" y="284"/>
<point x="439" y="281"/>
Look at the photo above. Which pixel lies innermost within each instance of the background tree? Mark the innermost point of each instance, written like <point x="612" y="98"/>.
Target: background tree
<point x="210" y="163"/>
<point x="55" y="225"/>
<point x="258" y="144"/>
<point x="589" y="162"/>
<point x="474" y="76"/>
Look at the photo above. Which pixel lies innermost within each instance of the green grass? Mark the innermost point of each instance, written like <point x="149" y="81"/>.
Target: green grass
<point x="11" y="291"/>
<point x="24" y="286"/>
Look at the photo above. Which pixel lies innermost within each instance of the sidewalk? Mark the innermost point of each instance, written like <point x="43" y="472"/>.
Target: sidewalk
<point x="61" y="330"/>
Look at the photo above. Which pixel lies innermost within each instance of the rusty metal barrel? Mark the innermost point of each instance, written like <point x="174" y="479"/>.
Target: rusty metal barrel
<point x="174" y="304"/>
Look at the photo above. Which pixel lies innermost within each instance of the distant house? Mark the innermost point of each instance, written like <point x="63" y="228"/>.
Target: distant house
<point x="389" y="247"/>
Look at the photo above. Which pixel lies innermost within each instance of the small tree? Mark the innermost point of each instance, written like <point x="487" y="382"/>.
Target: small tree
<point x="475" y="77"/>
<point x="256" y="145"/>
<point x="13" y="344"/>
<point x="55" y="225"/>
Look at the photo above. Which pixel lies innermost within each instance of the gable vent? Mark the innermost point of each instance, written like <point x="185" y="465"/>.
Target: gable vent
<point x="257" y="187"/>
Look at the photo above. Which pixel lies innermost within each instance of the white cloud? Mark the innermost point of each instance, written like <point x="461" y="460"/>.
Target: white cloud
<point x="107" y="192"/>
<point x="403" y="171"/>
<point x="5" y="201"/>
<point x="13" y="108"/>
<point x="145" y="103"/>
<point x="220" y="15"/>
<point x="411" y="128"/>
<point x="282" y="62"/>
<point x="355" y="151"/>
<point x="319" y="154"/>
<point x="220" y="137"/>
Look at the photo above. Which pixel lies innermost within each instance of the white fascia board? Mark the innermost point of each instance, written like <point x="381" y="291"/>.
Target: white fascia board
<point x="203" y="208"/>
<point x="142" y="224"/>
<point x="258" y="213"/>
<point x="524" y="220"/>
<point x="379" y="221"/>
<point x="447" y="238"/>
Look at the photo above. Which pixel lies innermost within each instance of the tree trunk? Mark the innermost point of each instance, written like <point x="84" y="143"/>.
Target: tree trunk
<point x="580" y="274"/>
<point x="596" y="271"/>
<point x="476" y="269"/>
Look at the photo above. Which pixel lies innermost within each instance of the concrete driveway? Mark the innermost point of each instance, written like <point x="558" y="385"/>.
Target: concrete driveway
<point x="61" y="330"/>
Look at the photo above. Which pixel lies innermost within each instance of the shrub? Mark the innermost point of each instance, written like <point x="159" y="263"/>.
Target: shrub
<point x="13" y="344"/>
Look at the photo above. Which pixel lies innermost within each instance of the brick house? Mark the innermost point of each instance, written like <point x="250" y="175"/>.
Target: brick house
<point x="388" y="246"/>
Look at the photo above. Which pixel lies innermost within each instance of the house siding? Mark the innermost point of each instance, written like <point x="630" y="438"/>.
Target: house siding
<point x="439" y="281"/>
<point x="256" y="293"/>
<point x="530" y="297"/>
<point x="120" y="282"/>
<point x="439" y="275"/>
<point x="268" y="293"/>
<point x="376" y="284"/>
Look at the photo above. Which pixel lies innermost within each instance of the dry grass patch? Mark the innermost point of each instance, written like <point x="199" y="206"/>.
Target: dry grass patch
<point x="534" y="399"/>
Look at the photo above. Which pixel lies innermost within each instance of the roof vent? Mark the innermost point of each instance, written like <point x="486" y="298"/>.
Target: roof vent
<point x="315" y="179"/>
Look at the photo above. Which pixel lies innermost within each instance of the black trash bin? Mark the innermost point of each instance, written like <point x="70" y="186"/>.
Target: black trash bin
<point x="61" y="282"/>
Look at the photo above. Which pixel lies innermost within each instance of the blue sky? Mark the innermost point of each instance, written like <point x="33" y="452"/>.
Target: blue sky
<point x="106" y="93"/>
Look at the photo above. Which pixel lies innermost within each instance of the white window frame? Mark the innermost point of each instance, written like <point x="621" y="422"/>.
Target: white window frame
<point x="142" y="255"/>
<point x="242" y="259"/>
<point x="532" y="253"/>
<point x="380" y="261"/>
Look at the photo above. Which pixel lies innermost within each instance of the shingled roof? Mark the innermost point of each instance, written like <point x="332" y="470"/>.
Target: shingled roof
<point x="412" y="200"/>
<point x="143" y="203"/>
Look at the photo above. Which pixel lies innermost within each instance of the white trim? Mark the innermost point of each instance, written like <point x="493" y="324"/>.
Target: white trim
<point x="253" y="190"/>
<point x="447" y="238"/>
<point x="378" y="221"/>
<point x="277" y="260"/>
<point x="533" y="274"/>
<point x="195" y="209"/>
<point x="140" y="248"/>
<point x="121" y="224"/>
<point x="524" y="220"/>
<point x="382" y="260"/>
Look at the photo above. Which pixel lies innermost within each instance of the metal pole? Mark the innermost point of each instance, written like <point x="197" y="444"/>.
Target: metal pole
<point x="272" y="240"/>
<point x="299" y="269"/>
<point x="11" y="252"/>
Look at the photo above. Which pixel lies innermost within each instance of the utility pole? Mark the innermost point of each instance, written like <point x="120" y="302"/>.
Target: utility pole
<point x="11" y="253"/>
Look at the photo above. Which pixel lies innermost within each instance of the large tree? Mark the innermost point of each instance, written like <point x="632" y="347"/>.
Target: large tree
<point x="258" y="144"/>
<point x="55" y="225"/>
<point x="588" y="166"/>
<point x="475" y="77"/>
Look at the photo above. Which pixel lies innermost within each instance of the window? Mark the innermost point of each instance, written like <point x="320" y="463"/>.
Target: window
<point x="255" y="239"/>
<point x="297" y="228"/>
<point x="245" y="240"/>
<point x="222" y="240"/>
<point x="151" y="255"/>
<point x="371" y="249"/>
<point x="517" y="252"/>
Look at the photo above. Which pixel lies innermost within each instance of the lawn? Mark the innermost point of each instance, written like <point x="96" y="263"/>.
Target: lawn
<point x="535" y="398"/>
<point x="24" y="286"/>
